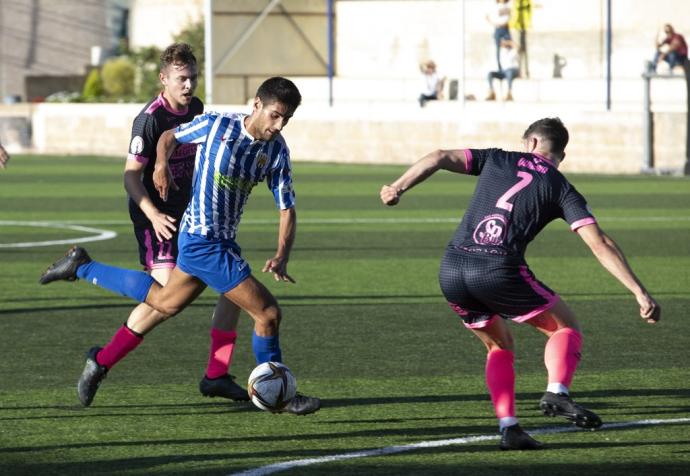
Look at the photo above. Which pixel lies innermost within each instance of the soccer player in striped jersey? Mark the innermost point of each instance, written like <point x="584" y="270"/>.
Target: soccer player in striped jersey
<point x="155" y="221"/>
<point x="236" y="152"/>
<point x="486" y="280"/>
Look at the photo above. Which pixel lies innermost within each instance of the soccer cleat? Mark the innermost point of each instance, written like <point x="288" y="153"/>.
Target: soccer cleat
<point x="560" y="404"/>
<point x="224" y="386"/>
<point x="302" y="405"/>
<point x="66" y="267"/>
<point x="515" y="438"/>
<point x="91" y="377"/>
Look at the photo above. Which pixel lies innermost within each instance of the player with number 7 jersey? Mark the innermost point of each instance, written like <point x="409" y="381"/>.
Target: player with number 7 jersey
<point x="486" y="280"/>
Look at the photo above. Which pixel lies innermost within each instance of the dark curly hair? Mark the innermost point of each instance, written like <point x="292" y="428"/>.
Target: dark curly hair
<point x="279" y="89"/>
<point x="552" y="131"/>
<point x="177" y="53"/>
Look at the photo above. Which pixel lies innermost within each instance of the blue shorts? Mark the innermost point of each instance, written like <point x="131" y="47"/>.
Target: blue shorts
<point x="216" y="262"/>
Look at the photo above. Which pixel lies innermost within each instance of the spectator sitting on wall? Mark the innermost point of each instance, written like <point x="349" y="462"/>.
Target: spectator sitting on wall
<point x="672" y="49"/>
<point x="432" y="83"/>
<point x="510" y="70"/>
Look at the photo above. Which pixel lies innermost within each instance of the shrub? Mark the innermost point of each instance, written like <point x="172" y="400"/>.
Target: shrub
<point x="93" y="86"/>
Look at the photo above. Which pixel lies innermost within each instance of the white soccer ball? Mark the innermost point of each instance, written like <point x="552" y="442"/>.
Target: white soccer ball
<point x="271" y="386"/>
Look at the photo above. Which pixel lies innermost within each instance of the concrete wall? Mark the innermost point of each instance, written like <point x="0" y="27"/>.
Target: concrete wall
<point x="40" y="37"/>
<point x="602" y="142"/>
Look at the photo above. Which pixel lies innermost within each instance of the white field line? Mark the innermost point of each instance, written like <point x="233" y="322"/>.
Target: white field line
<point x="100" y="235"/>
<point x="388" y="450"/>
<point x="339" y="221"/>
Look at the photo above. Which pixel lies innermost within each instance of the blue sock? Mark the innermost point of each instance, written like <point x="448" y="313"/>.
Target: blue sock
<point x="266" y="349"/>
<point x="133" y="284"/>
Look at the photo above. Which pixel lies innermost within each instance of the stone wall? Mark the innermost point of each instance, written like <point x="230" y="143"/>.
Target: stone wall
<point x="601" y="141"/>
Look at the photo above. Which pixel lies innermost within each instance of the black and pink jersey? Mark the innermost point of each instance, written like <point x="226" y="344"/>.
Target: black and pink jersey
<point x="154" y="119"/>
<point x="517" y="195"/>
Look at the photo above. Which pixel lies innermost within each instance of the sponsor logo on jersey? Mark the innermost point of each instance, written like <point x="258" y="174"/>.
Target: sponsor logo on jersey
<point x="490" y="231"/>
<point x="136" y="146"/>
<point x="261" y="160"/>
<point x="233" y="183"/>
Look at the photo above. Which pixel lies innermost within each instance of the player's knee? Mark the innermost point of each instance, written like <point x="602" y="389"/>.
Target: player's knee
<point x="270" y="317"/>
<point x="165" y="310"/>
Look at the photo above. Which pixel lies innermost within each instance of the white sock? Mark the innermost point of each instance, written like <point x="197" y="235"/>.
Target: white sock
<point x="506" y="421"/>
<point x="557" y="388"/>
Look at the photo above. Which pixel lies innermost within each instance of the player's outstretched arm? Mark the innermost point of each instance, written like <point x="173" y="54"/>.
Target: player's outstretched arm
<point x="4" y="157"/>
<point x="451" y="160"/>
<point x="611" y="257"/>
<point x="163" y="225"/>
<point x="286" y="237"/>
<point x="162" y="178"/>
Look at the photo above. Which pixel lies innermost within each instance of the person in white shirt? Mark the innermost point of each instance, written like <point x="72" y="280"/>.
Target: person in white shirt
<point x="432" y="83"/>
<point x="510" y="70"/>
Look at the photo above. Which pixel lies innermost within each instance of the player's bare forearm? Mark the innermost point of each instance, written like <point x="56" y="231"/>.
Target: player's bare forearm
<point x="609" y="254"/>
<point x="162" y="178"/>
<point x="287" y="230"/>
<point x="163" y="225"/>
<point x="451" y="160"/>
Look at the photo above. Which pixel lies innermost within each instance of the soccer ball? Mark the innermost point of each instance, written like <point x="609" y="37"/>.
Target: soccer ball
<point x="271" y="386"/>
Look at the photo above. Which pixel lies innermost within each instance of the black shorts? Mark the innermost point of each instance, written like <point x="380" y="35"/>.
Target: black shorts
<point x="480" y="288"/>
<point x="154" y="254"/>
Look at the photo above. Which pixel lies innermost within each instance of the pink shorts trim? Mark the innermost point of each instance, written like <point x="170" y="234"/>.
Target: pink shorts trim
<point x="482" y="324"/>
<point x="536" y="312"/>
<point x="160" y="266"/>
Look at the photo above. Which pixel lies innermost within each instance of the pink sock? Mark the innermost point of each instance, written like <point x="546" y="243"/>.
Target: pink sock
<point x="500" y="379"/>
<point x="562" y="354"/>
<point x="220" y="355"/>
<point x="122" y="343"/>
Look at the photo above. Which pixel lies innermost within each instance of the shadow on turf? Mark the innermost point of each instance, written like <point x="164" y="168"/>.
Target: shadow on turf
<point x="229" y="460"/>
<point x="31" y="310"/>
<point x="521" y="397"/>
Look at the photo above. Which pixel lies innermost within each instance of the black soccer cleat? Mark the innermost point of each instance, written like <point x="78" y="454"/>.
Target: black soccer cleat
<point x="302" y="405"/>
<point x="560" y="404"/>
<point x="91" y="377"/>
<point x="224" y="386"/>
<point x="515" y="438"/>
<point x="65" y="268"/>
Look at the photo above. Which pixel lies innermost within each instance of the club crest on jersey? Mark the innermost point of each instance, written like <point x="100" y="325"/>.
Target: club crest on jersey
<point x="136" y="146"/>
<point x="261" y="160"/>
<point x="490" y="231"/>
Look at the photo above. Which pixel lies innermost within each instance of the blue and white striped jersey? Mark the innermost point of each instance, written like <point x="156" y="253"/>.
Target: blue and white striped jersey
<point x="229" y="163"/>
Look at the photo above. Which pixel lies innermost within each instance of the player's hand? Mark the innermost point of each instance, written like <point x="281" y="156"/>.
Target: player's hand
<point x="390" y="195"/>
<point x="4" y="157"/>
<point x="163" y="225"/>
<point x="278" y="266"/>
<point x="650" y="311"/>
<point x="163" y="181"/>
